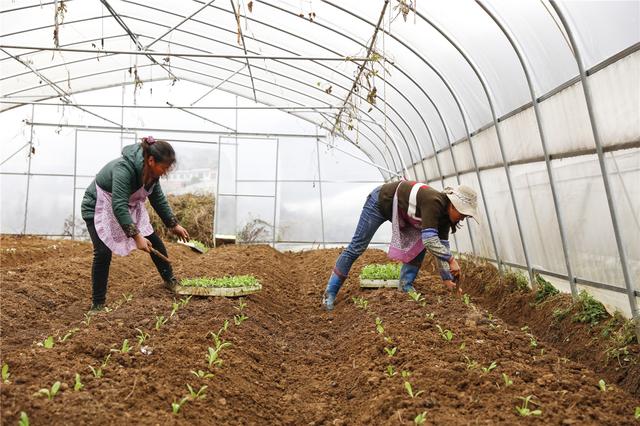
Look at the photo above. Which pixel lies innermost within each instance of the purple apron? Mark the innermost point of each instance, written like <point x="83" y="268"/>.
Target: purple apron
<point x="108" y="228"/>
<point x="406" y="233"/>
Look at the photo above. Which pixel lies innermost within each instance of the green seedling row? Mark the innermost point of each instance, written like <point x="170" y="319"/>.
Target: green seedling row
<point x="225" y="282"/>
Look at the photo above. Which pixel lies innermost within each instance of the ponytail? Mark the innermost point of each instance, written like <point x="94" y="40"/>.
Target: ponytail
<point x="161" y="151"/>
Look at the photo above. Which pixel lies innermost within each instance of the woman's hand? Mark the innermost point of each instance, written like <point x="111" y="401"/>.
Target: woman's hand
<point x="180" y="232"/>
<point x="455" y="268"/>
<point x="452" y="286"/>
<point x="142" y="243"/>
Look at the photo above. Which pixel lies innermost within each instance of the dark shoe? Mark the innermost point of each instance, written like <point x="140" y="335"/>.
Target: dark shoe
<point x="171" y="283"/>
<point x="97" y="307"/>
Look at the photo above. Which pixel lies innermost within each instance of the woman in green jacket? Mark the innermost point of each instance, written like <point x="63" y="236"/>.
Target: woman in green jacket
<point x="117" y="220"/>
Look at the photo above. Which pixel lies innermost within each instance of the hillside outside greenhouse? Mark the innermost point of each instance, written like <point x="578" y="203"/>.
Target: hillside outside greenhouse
<point x="320" y="212"/>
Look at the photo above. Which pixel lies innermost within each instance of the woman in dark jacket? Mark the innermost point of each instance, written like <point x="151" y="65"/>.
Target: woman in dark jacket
<point x="117" y="220"/>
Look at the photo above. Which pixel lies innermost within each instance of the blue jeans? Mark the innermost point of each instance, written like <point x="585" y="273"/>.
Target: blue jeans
<point x="370" y="221"/>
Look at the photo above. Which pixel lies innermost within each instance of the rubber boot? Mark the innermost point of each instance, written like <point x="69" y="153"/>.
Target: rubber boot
<point x="408" y="274"/>
<point x="333" y="286"/>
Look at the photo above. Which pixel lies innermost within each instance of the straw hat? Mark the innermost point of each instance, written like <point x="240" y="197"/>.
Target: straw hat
<point x="464" y="199"/>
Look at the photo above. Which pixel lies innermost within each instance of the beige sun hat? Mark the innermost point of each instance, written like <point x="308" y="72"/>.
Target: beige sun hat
<point x="464" y="199"/>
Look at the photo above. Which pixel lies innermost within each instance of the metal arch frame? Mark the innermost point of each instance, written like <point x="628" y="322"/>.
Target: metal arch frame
<point x="603" y="166"/>
<point x="324" y="47"/>
<point x="524" y="63"/>
<point x="323" y="65"/>
<point x="445" y="127"/>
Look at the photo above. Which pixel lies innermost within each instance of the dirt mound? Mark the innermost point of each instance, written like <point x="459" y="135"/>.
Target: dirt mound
<point x="289" y="361"/>
<point x="194" y="212"/>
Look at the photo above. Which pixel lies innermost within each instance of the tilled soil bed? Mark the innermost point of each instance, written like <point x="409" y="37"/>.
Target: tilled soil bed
<point x="289" y="362"/>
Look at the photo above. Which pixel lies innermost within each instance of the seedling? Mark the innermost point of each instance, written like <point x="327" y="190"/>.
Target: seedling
<point x="225" y="282"/>
<point x="219" y="342"/>
<point x="389" y="271"/>
<point x="430" y="316"/>
<point x="488" y="369"/>
<point x="127" y="297"/>
<point x="87" y="318"/>
<point x="107" y="309"/>
<point x="47" y="343"/>
<point x="142" y="336"/>
<point x="49" y="393"/>
<point x="201" y="374"/>
<point x="185" y="301"/>
<point x="24" y="419"/>
<point x="241" y="305"/>
<point x="466" y="299"/>
<point x="463" y="345"/>
<point x="379" y="327"/>
<point x="421" y="418"/>
<point x="68" y="335"/>
<point x="602" y="385"/>
<point x="174" y="308"/>
<point x="388" y="340"/>
<point x="225" y="326"/>
<point x="176" y="406"/>
<point x="410" y="391"/>
<point x="360" y="302"/>
<point x="5" y="373"/>
<point x="197" y="395"/>
<point x="391" y="351"/>
<point x="532" y="341"/>
<point x="637" y="413"/>
<point x="406" y="374"/>
<point x="447" y="335"/>
<point x="125" y="347"/>
<point x="78" y="384"/>
<point x="97" y="372"/>
<point x="416" y="297"/>
<point x="212" y="358"/>
<point x="160" y="321"/>
<point x="391" y="371"/>
<point x="507" y="380"/>
<point x="471" y="364"/>
<point x="524" y="410"/>
<point x="239" y="319"/>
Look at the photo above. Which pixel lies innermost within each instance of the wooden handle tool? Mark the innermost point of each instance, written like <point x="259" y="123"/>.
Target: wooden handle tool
<point x="160" y="255"/>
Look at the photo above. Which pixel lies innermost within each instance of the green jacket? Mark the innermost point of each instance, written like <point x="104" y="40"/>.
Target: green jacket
<point x="122" y="177"/>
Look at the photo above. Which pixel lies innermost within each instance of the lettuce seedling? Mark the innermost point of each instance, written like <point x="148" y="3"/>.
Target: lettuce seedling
<point x="176" y="406"/>
<point x="225" y="282"/>
<point x="125" y="346"/>
<point x="471" y="364"/>
<point x="160" y="321"/>
<point x="49" y="393"/>
<point x="78" y="384"/>
<point x="507" y="380"/>
<point x="602" y="385"/>
<point x="185" y="301"/>
<point x="466" y="299"/>
<point x="421" y="418"/>
<point x="68" y="335"/>
<point x="142" y="336"/>
<point x="174" y="308"/>
<point x="524" y="410"/>
<point x="202" y="374"/>
<point x="197" y="395"/>
<point x="87" y="318"/>
<point x="360" y="302"/>
<point x="5" y="373"/>
<point x="388" y="271"/>
<point x="391" y="351"/>
<point x="390" y="371"/>
<point x="447" y="335"/>
<point x="239" y="319"/>
<point x="47" y="343"/>
<point x="212" y="358"/>
<point x="637" y="413"/>
<point x="24" y="419"/>
<point x="415" y="296"/>
<point x="127" y="297"/>
<point x="489" y="368"/>
<point x="410" y="391"/>
<point x="379" y="327"/>
<point x="430" y="316"/>
<point x="241" y="305"/>
<point x="219" y="342"/>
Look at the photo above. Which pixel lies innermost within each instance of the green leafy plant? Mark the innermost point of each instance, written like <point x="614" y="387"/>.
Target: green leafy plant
<point x="421" y="418"/>
<point x="410" y="391"/>
<point x="388" y="271"/>
<point x="47" y="343"/>
<point x="602" y="385"/>
<point x="239" y="319"/>
<point x="127" y="297"/>
<point x="415" y="296"/>
<point x="213" y="357"/>
<point x="590" y="310"/>
<point x="125" y="347"/>
<point x="360" y="302"/>
<point x="87" y="318"/>
<point x="524" y="410"/>
<point x="224" y="282"/>
<point x="97" y="372"/>
<point x="142" y="336"/>
<point x="471" y="363"/>
<point x="390" y="371"/>
<point x="49" y="393"/>
<point x="489" y="368"/>
<point x="379" y="327"/>
<point x="202" y="374"/>
<point x="391" y="351"/>
<point x="241" y="305"/>
<point x="637" y="413"/>
<point x="199" y="394"/>
<point x="5" y="373"/>
<point x="532" y="341"/>
<point x="78" y="384"/>
<point x="219" y="341"/>
<point x="176" y="406"/>
<point x="430" y="316"/>
<point x="174" y="308"/>
<point x="202" y="246"/>
<point x="545" y="290"/>
<point x="160" y="321"/>
<point x="185" y="301"/>
<point x="466" y="299"/>
<point x="68" y="335"/>
<point x="507" y="380"/>
<point x="447" y="335"/>
<point x="24" y="419"/>
<point x="518" y="280"/>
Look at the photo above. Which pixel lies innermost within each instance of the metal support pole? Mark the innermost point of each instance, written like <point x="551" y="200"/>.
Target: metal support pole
<point x="320" y="188"/>
<point x="603" y="169"/>
<point x="235" y="172"/>
<point x="543" y="140"/>
<point x="75" y="174"/>
<point x="26" y="200"/>
<point x="216" y="206"/>
<point x="275" y="195"/>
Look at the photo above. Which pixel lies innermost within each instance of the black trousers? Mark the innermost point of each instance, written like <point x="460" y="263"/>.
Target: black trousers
<point x="102" y="261"/>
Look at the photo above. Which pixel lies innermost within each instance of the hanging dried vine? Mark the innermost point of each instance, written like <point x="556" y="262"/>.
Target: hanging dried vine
<point x="58" y="18"/>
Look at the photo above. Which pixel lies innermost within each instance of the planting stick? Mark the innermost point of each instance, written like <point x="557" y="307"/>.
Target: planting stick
<point x="160" y="255"/>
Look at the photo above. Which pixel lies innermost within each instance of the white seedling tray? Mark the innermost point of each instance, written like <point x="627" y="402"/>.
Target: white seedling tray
<point x="216" y="291"/>
<point x="365" y="283"/>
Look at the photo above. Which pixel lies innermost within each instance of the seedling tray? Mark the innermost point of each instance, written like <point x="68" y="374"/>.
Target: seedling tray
<point x="218" y="290"/>
<point x="368" y="283"/>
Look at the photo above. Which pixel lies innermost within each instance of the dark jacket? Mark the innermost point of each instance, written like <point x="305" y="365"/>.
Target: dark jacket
<point x="122" y="177"/>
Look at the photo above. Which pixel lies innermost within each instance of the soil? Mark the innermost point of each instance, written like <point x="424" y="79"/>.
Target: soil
<point x="290" y="362"/>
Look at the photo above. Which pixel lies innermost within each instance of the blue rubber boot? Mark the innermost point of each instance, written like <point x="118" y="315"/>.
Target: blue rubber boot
<point x="408" y="274"/>
<point x="333" y="286"/>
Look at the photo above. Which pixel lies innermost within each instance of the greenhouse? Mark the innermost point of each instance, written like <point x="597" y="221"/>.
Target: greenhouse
<point x="270" y="175"/>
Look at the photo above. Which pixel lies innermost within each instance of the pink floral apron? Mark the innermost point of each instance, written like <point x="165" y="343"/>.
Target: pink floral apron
<point x="108" y="228"/>
<point x="406" y="233"/>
